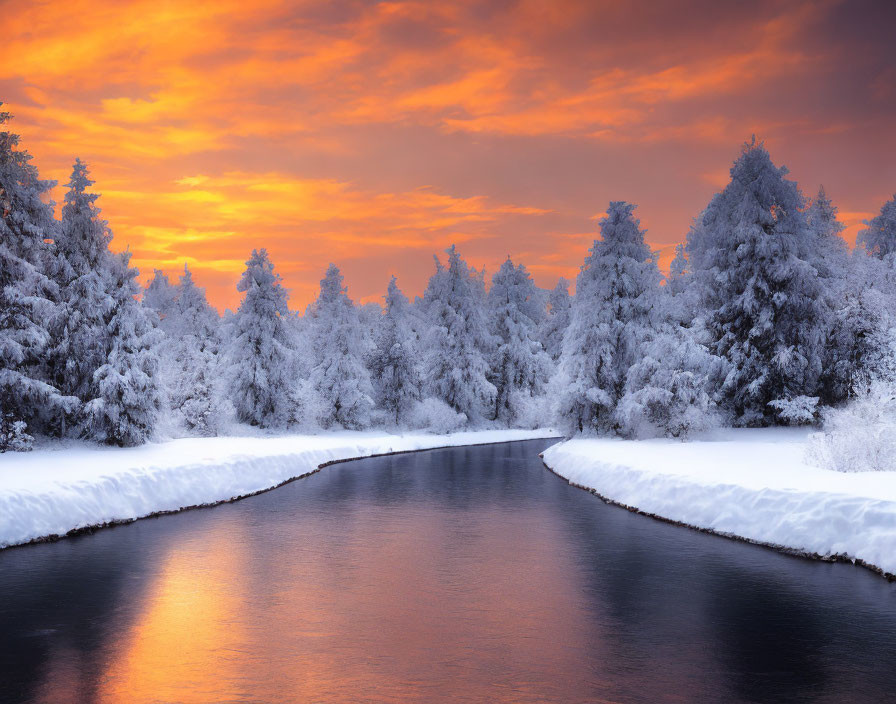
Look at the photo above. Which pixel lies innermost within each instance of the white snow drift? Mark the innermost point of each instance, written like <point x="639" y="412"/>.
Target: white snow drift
<point x="753" y="484"/>
<point x="52" y="492"/>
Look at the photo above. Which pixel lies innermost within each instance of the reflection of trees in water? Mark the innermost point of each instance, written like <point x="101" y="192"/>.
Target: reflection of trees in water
<point x="701" y="612"/>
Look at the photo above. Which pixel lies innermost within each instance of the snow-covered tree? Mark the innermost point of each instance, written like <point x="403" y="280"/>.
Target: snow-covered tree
<point x="340" y="377"/>
<point x="615" y="308"/>
<point x="750" y="254"/>
<point x="307" y="407"/>
<point x="861" y="289"/>
<point x="829" y="249"/>
<point x="370" y="316"/>
<point x="520" y="367"/>
<point x="103" y="349"/>
<point x="394" y="362"/>
<point x="677" y="280"/>
<point x="831" y="258"/>
<point x="28" y="298"/>
<point x="191" y="361"/>
<point x="260" y="356"/>
<point x="160" y="296"/>
<point x="859" y="337"/>
<point x="85" y="272"/>
<point x="879" y="239"/>
<point x="628" y="366"/>
<point x="666" y="389"/>
<point x="192" y="313"/>
<point x="128" y="402"/>
<point x="682" y="294"/>
<point x="554" y="324"/>
<point x="458" y="344"/>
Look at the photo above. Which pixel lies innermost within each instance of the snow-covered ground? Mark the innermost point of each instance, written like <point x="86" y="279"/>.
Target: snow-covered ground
<point x="52" y="491"/>
<point x="753" y="484"/>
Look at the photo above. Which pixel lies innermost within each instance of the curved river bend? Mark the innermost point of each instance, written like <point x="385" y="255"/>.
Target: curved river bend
<point x="465" y="574"/>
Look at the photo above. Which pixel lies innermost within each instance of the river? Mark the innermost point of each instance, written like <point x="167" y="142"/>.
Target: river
<point x="460" y="575"/>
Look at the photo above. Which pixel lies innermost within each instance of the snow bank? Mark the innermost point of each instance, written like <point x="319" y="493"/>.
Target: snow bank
<point x="54" y="491"/>
<point x="753" y="484"/>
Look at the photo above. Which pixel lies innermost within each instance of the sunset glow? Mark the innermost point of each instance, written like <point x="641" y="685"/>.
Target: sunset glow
<point x="376" y="134"/>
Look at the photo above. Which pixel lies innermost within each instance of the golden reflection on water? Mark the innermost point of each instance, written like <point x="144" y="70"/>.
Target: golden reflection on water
<point x="189" y="630"/>
<point x="392" y="607"/>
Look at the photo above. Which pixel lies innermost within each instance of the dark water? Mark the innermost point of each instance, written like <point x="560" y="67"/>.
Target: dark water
<point x="468" y="574"/>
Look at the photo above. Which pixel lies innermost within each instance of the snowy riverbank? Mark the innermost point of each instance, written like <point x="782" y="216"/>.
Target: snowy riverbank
<point x="752" y="484"/>
<point x="50" y="492"/>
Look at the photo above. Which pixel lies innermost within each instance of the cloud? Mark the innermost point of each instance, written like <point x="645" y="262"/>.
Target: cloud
<point x="380" y="130"/>
<point x="213" y="221"/>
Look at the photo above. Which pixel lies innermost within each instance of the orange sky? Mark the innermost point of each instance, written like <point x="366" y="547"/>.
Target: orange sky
<point x="376" y="134"/>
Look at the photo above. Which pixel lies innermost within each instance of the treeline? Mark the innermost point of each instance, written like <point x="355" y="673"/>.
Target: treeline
<point x="765" y="317"/>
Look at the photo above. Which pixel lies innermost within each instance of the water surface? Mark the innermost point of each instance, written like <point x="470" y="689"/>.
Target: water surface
<point x="458" y="575"/>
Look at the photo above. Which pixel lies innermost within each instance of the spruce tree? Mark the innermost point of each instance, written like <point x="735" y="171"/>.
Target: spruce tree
<point x="340" y="376"/>
<point x="879" y="238"/>
<point x="83" y="269"/>
<point x="681" y="294"/>
<point x="459" y="343"/>
<point x="191" y="360"/>
<point x="28" y="299"/>
<point x="394" y="363"/>
<point x="831" y="259"/>
<point x="555" y="322"/>
<point x="261" y="357"/>
<point x="160" y="296"/>
<point x="751" y="257"/>
<point x="667" y="389"/>
<point x="520" y="367"/>
<point x="677" y="280"/>
<point x="126" y="408"/>
<point x="828" y="249"/>
<point x="614" y="311"/>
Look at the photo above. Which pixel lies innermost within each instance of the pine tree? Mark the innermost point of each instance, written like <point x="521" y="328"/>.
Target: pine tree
<point x="681" y="294"/>
<point x="191" y="362"/>
<point x="128" y="402"/>
<point x="104" y="341"/>
<point x="677" y="280"/>
<point x="615" y="309"/>
<point x="28" y="299"/>
<point x="667" y="387"/>
<point x="394" y="362"/>
<point x="829" y="250"/>
<point x="83" y="269"/>
<point x="751" y="257"/>
<point x="260" y="356"/>
<point x="879" y="239"/>
<point x="831" y="258"/>
<point x="340" y="377"/>
<point x="459" y="344"/>
<point x="160" y="296"/>
<point x="556" y="321"/>
<point x="192" y="312"/>
<point x="520" y="367"/>
<point x="859" y="339"/>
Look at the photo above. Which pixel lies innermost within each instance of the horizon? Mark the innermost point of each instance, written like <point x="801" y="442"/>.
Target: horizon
<point x="375" y="135"/>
